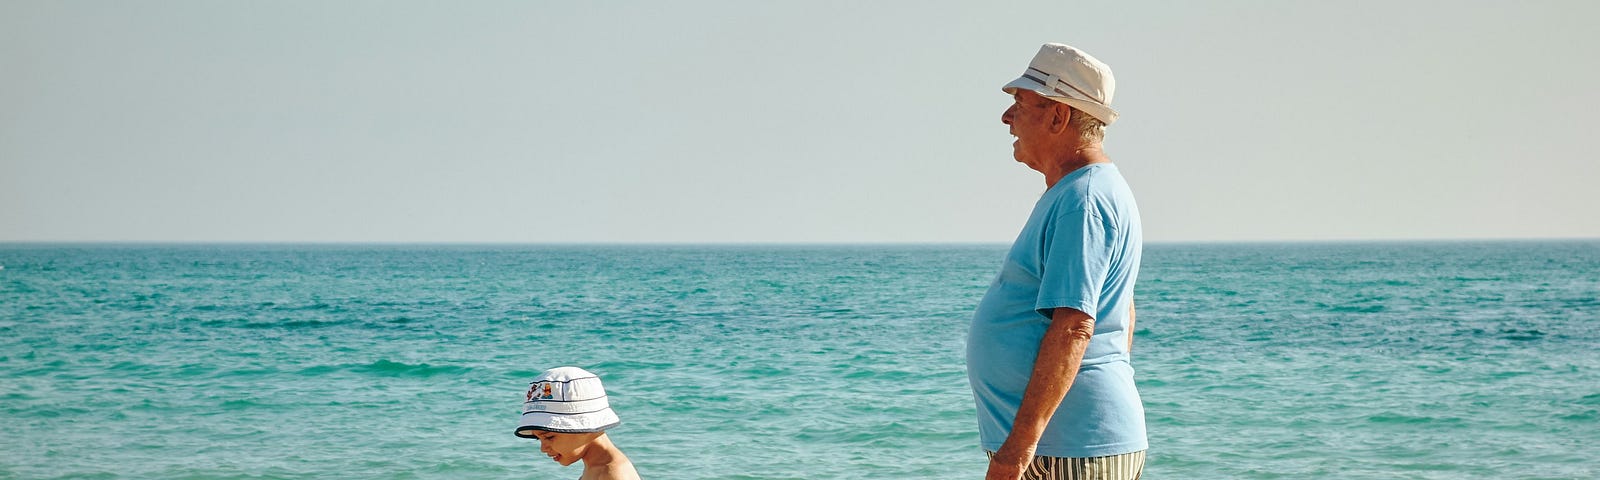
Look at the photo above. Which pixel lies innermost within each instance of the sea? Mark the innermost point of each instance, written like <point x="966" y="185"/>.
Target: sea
<point x="1369" y="360"/>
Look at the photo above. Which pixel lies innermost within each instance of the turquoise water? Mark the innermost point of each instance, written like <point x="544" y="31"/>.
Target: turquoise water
<point x="1413" y="360"/>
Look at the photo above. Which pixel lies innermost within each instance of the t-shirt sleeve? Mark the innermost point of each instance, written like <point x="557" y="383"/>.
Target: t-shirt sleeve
<point x="1076" y="261"/>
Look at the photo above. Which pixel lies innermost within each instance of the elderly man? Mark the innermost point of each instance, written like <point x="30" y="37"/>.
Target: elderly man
<point x="1048" y="351"/>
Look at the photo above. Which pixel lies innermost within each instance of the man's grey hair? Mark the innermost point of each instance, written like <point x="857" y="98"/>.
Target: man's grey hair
<point x="1090" y="129"/>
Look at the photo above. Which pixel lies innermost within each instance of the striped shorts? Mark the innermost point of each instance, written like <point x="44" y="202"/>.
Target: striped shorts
<point x="1128" y="466"/>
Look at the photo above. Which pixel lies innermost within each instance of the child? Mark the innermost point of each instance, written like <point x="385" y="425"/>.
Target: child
<point x="566" y="410"/>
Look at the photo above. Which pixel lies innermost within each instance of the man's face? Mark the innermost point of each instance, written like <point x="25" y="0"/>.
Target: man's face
<point x="564" y="448"/>
<point x="1029" y="120"/>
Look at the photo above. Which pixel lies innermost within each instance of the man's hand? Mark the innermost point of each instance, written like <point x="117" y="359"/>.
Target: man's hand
<point x="1009" y="462"/>
<point x="1060" y="355"/>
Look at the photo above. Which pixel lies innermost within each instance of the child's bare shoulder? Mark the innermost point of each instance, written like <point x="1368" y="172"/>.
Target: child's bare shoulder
<point x="617" y="471"/>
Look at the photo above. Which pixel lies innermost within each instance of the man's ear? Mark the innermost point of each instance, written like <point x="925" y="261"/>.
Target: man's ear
<point x="1060" y="117"/>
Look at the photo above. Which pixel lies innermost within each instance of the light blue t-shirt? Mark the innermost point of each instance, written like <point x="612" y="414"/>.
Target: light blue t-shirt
<point x="1080" y="249"/>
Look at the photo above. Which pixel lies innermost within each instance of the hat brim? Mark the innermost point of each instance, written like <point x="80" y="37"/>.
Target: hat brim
<point x="598" y="421"/>
<point x="1101" y="112"/>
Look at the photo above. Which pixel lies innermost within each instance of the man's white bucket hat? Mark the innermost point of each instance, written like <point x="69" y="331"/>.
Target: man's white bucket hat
<point x="566" y="400"/>
<point x="1068" y="75"/>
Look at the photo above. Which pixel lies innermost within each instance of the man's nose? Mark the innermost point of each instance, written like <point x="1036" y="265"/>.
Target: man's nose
<point x="1006" y="117"/>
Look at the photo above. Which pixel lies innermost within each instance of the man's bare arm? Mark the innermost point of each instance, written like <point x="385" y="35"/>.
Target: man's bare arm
<point x="1131" y="319"/>
<point x="1060" y="355"/>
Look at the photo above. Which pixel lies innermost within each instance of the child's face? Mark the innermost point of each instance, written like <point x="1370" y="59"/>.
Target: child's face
<point x="564" y="448"/>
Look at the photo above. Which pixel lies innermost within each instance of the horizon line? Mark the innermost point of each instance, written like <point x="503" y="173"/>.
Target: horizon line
<point x="314" y="243"/>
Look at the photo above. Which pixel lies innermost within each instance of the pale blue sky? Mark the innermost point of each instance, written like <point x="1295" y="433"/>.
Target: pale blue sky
<point x="844" y="121"/>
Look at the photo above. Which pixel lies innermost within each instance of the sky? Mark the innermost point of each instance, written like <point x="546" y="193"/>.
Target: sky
<point x="783" y="122"/>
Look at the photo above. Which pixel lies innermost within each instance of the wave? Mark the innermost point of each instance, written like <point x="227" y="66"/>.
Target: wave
<point x="387" y="368"/>
<point x="1395" y="418"/>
